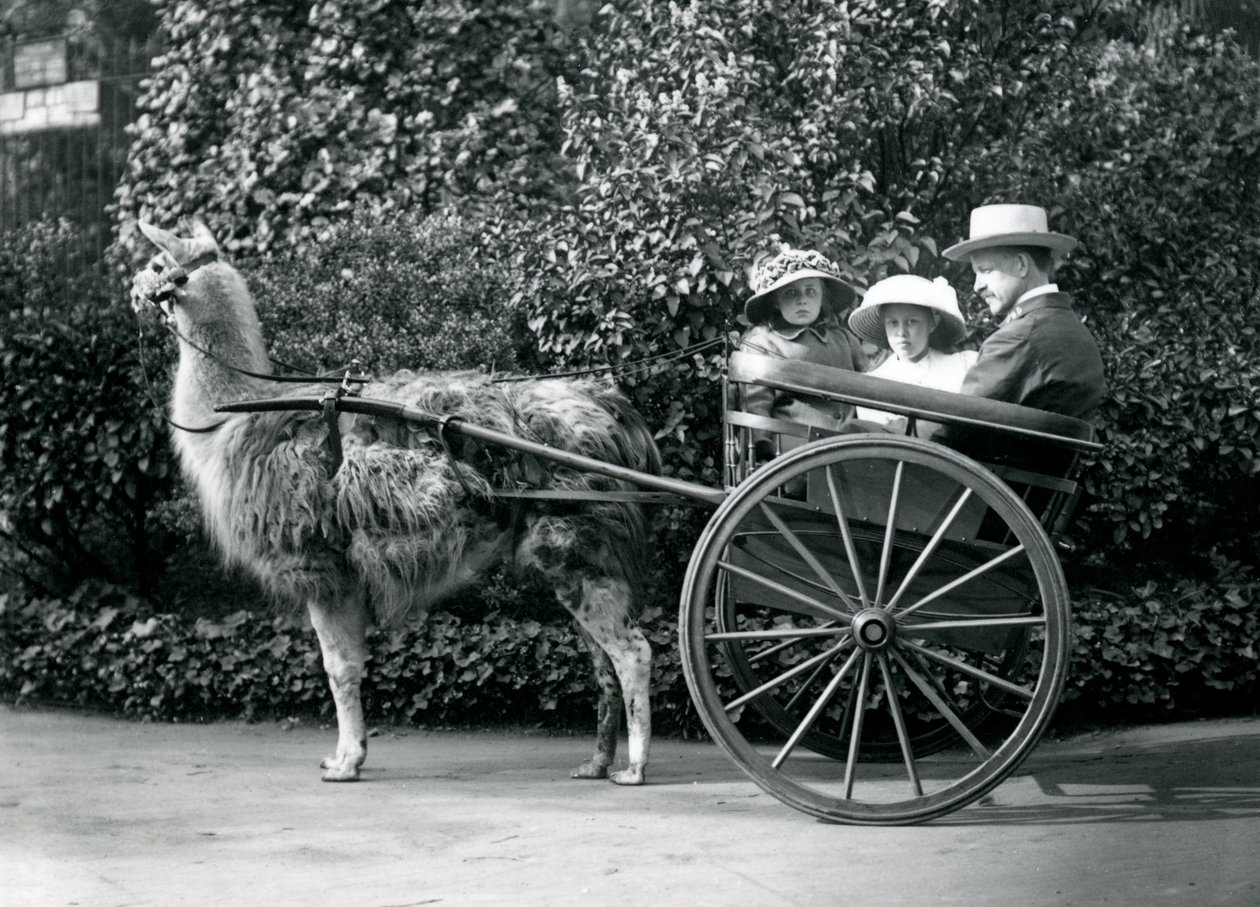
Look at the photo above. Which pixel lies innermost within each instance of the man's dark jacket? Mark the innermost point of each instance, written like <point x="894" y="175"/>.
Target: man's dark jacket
<point x="1043" y="357"/>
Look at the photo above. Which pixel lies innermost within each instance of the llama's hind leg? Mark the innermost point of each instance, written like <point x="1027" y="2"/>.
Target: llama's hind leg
<point x="603" y="611"/>
<point x="608" y="712"/>
<point x="342" y="632"/>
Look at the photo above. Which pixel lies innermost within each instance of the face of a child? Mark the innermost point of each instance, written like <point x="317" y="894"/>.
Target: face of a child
<point x="800" y="301"/>
<point x="908" y="328"/>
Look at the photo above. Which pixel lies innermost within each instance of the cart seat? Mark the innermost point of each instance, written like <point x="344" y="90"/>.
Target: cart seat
<point x="1037" y="451"/>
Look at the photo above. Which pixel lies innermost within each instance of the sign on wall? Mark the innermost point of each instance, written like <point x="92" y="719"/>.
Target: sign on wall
<point x="37" y="63"/>
<point x="44" y="99"/>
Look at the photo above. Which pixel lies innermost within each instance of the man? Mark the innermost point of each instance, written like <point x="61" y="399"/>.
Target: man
<point x="1040" y="355"/>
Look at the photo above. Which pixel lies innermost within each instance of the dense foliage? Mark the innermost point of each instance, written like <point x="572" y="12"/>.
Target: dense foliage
<point x="83" y="451"/>
<point x="1171" y="276"/>
<point x="105" y="649"/>
<point x="704" y="133"/>
<point x="274" y="119"/>
<point x="395" y="289"/>
<point x="635" y="168"/>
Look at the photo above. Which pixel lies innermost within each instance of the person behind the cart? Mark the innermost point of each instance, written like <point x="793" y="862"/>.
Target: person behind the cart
<point x="797" y="311"/>
<point x="919" y="322"/>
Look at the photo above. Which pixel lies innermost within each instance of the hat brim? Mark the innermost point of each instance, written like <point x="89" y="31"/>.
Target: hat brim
<point x="1057" y="243"/>
<point x="868" y="324"/>
<point x="755" y="307"/>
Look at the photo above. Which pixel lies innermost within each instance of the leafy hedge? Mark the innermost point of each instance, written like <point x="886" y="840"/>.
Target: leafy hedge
<point x="635" y="167"/>
<point x="83" y="451"/>
<point x="1170" y="276"/>
<point x="105" y="649"/>
<point x="1180" y="648"/>
<point x="396" y="289"/>
<point x="275" y="118"/>
<point x="1188" y="647"/>
<point x="632" y="170"/>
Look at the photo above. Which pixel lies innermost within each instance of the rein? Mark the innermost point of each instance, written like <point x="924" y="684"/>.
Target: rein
<point x="634" y="365"/>
<point x="148" y="388"/>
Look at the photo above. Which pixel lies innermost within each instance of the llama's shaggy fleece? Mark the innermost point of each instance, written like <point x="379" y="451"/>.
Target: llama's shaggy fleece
<point x="400" y="522"/>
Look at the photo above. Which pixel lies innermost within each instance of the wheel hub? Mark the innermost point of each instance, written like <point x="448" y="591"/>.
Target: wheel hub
<point x="873" y="629"/>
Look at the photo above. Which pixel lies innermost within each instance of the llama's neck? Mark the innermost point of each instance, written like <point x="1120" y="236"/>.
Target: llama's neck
<point x="212" y="356"/>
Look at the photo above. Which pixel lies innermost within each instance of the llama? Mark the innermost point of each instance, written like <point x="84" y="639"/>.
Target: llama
<point x="406" y="516"/>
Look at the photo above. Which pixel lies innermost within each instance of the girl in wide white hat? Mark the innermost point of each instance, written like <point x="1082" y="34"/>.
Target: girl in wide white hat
<point x="919" y="322"/>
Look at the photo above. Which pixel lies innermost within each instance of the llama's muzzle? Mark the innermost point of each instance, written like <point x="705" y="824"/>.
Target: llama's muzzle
<point x="156" y="285"/>
<point x="151" y="287"/>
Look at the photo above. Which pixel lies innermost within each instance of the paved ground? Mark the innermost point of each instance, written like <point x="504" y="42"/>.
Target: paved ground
<point x="103" y="813"/>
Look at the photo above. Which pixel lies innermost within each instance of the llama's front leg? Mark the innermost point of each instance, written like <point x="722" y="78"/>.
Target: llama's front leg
<point x="342" y="631"/>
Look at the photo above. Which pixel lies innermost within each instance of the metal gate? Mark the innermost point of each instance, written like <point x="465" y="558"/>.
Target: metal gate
<point x="63" y="143"/>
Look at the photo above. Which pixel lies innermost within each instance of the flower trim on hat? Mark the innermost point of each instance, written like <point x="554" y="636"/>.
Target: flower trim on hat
<point x="790" y="260"/>
<point x="943" y="290"/>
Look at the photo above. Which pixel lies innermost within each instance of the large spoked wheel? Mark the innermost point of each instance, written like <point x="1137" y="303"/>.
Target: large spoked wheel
<point x="876" y="629"/>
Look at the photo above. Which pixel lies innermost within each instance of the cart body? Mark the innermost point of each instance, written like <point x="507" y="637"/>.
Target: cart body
<point x="876" y="627"/>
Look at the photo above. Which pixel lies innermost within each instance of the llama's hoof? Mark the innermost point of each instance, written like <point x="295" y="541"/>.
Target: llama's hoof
<point x="631" y="777"/>
<point x="341" y="772"/>
<point x="591" y="770"/>
<point x="339" y="765"/>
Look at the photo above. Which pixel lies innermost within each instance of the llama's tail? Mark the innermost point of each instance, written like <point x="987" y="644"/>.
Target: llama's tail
<point x="636" y="446"/>
<point x="627" y="525"/>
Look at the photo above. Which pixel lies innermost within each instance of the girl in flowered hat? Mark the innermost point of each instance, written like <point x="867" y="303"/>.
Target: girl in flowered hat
<point x="796" y="312"/>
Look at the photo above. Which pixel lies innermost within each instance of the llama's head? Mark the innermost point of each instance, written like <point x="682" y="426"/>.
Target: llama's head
<point x="187" y="281"/>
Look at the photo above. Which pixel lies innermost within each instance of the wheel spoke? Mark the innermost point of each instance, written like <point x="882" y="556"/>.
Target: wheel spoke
<point x="808" y="721"/>
<point x="965" y="578"/>
<point x="821" y="657"/>
<point x="941" y="706"/>
<point x="793" y="633"/>
<point x="963" y="623"/>
<point x="978" y="673"/>
<point x="770" y="564"/>
<point x="807" y="556"/>
<point x="928" y="549"/>
<point x="784" y="590"/>
<point x="934" y="680"/>
<point x="890" y="531"/>
<point x="855" y="736"/>
<point x="809" y="682"/>
<point x="899" y="722"/>
<point x="850" y="549"/>
<point x="776" y="649"/>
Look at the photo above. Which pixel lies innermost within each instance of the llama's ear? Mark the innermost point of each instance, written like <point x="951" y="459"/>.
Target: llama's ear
<point x="165" y="241"/>
<point x="201" y="234"/>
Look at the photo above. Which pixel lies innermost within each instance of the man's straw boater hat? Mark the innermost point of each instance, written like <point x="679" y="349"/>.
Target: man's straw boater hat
<point x="1009" y="225"/>
<point x="867" y="320"/>
<point x="784" y="268"/>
